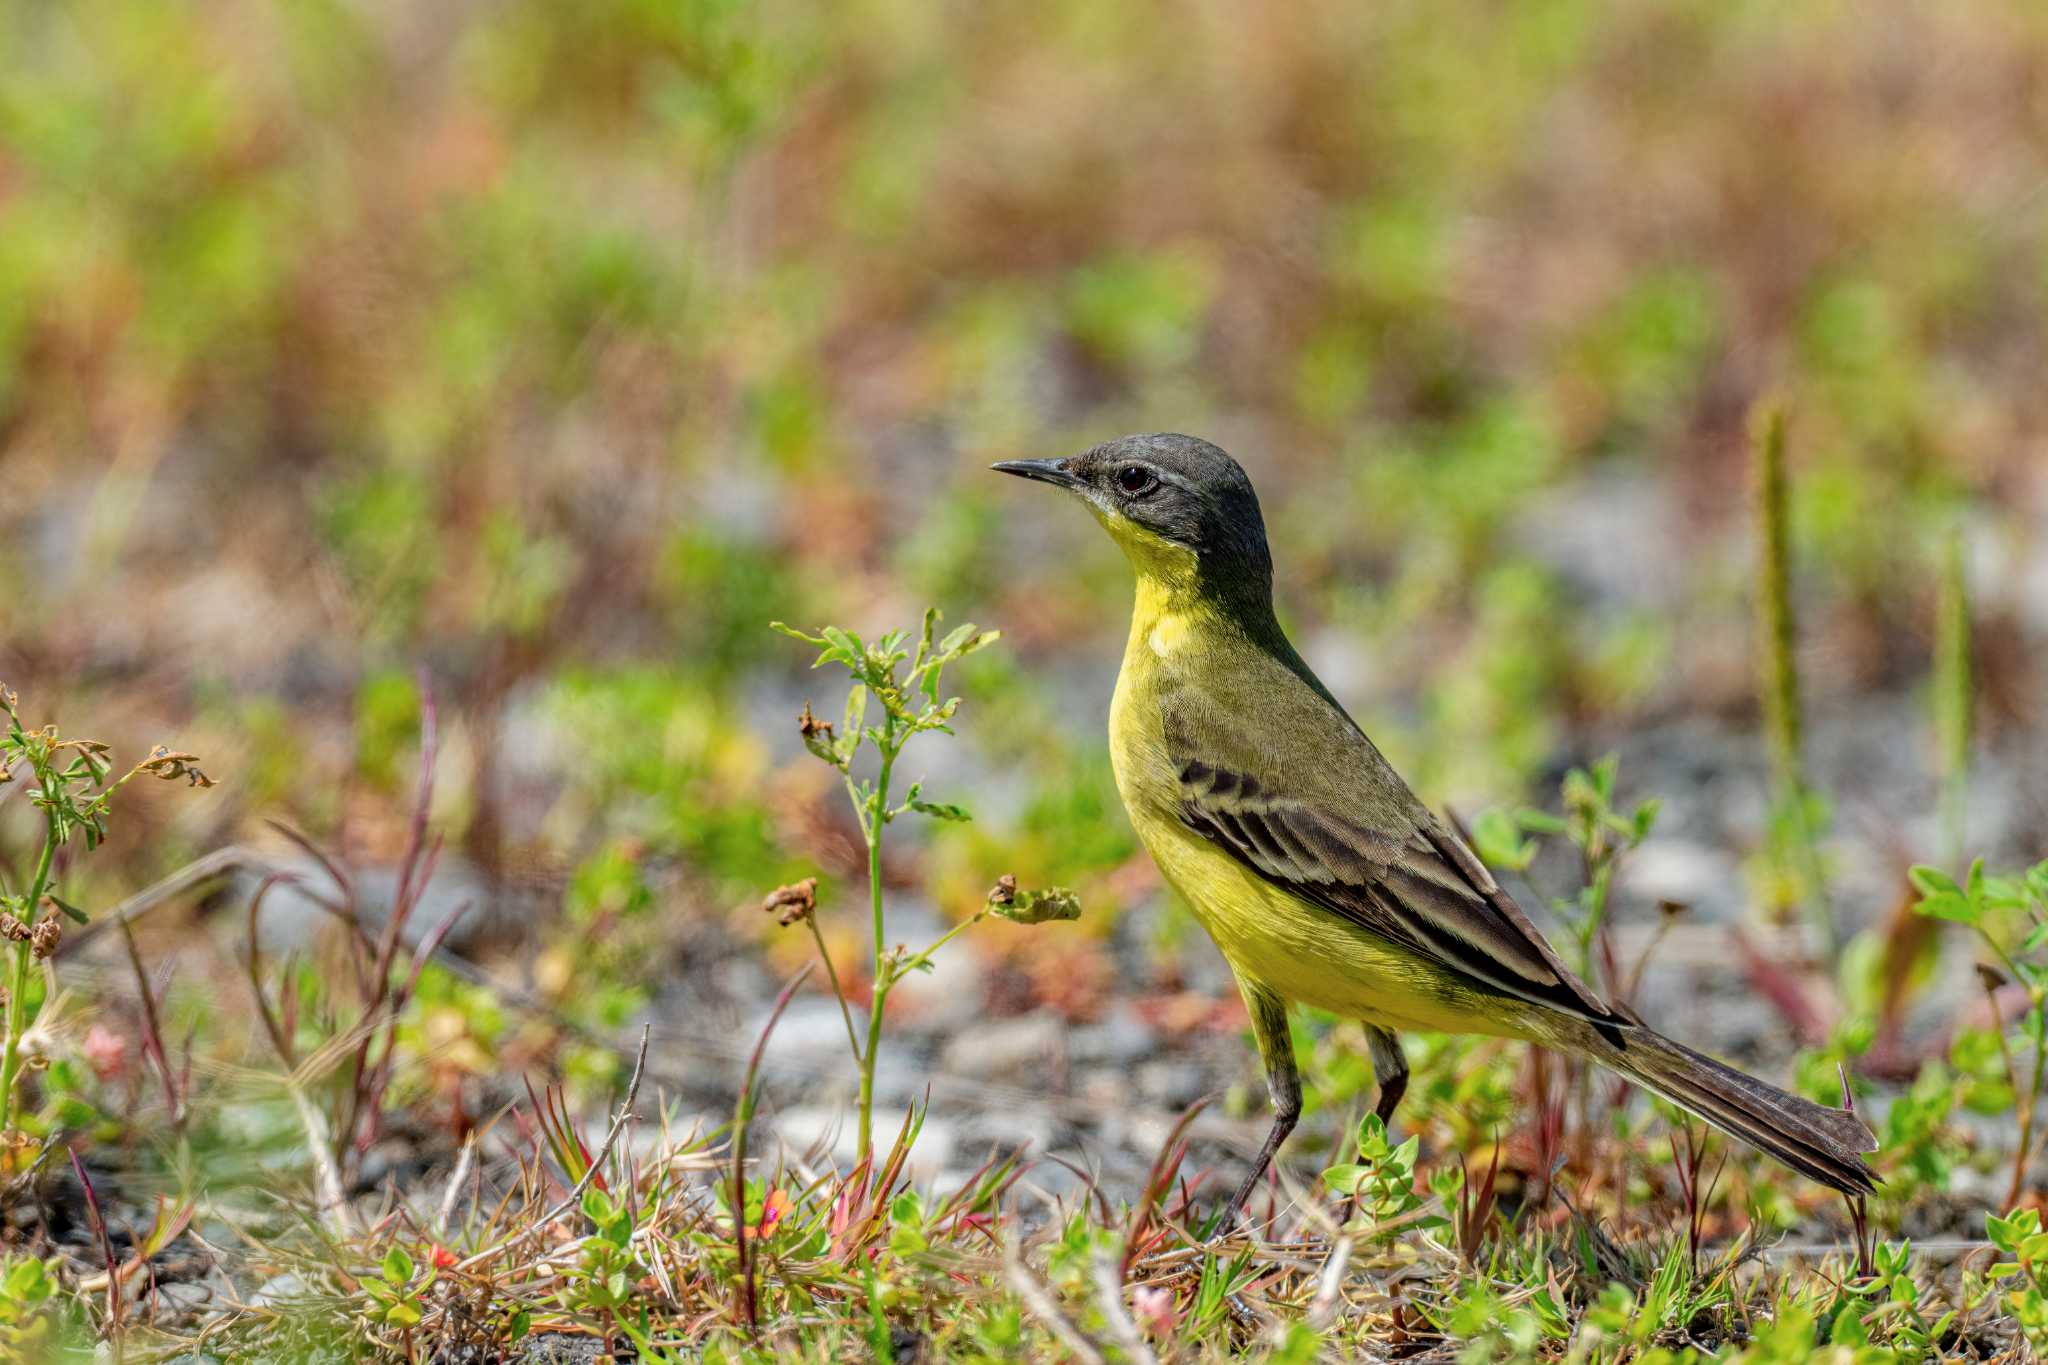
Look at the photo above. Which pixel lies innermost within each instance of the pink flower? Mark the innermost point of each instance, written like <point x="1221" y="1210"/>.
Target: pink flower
<point x="106" y="1052"/>
<point x="1153" y="1305"/>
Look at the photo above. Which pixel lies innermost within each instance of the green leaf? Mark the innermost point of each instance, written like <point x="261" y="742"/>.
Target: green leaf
<point x="1930" y="881"/>
<point x="67" y="907"/>
<point x="856" y="712"/>
<point x="941" y="810"/>
<point x="1948" y="905"/>
<point x="1345" y="1179"/>
<point x="1498" y="840"/>
<point x="397" y="1266"/>
<point x="793" y="633"/>
<point x="2007" y="1233"/>
<point x="402" y="1315"/>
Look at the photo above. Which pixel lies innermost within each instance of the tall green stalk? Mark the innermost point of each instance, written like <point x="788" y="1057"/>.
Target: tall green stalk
<point x="1952" y="696"/>
<point x="909" y="700"/>
<point x="1792" y="800"/>
<point x="878" y="998"/>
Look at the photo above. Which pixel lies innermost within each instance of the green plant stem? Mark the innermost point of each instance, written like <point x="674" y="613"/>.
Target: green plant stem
<point x="873" y="819"/>
<point x="923" y="956"/>
<point x="17" y="986"/>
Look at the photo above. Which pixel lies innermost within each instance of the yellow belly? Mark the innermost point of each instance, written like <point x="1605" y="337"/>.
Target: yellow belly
<point x="1306" y="953"/>
<point x="1295" y="948"/>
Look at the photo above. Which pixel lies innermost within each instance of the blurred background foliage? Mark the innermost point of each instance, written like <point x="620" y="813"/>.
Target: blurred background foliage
<point x="552" y="349"/>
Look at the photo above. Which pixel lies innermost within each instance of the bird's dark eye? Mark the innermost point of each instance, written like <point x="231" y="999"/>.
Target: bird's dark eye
<point x="1135" y="479"/>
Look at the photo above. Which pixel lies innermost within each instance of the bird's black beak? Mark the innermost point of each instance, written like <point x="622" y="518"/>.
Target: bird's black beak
<point x="1045" y="471"/>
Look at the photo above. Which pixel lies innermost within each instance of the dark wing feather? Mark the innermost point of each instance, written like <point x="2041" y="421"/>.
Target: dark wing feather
<point x="1420" y="889"/>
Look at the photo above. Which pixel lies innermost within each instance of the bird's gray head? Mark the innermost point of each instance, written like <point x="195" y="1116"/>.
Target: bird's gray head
<point x="1171" y="501"/>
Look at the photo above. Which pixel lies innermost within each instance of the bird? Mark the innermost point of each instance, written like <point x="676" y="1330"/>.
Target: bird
<point x="1320" y="875"/>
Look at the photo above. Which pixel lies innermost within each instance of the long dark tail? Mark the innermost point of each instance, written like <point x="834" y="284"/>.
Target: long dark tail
<point x="1820" y="1143"/>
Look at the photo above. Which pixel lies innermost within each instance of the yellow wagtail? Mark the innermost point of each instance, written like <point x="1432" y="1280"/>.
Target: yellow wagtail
<point x="1320" y="875"/>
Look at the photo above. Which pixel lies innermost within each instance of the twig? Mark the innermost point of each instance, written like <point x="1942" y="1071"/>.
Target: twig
<point x="462" y="1164"/>
<point x="280" y="1034"/>
<point x="200" y="870"/>
<point x="575" y="1195"/>
<point x="1038" y="1301"/>
<point x="832" y="975"/>
<point x="152" y="1032"/>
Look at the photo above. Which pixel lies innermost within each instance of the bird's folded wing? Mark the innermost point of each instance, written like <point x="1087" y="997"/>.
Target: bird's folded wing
<point x="1417" y="886"/>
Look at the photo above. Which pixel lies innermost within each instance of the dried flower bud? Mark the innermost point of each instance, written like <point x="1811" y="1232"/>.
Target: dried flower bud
<point x="13" y="930"/>
<point x="170" y="765"/>
<point x="7" y="697"/>
<point x="1993" y="979"/>
<point x="794" y="903"/>
<point x="44" y="938"/>
<point x="1032" y="907"/>
<point x="818" y="737"/>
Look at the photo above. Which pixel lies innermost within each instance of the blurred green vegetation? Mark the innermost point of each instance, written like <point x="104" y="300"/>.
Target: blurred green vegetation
<point x="526" y="336"/>
<point x="526" y="360"/>
<point x="549" y="353"/>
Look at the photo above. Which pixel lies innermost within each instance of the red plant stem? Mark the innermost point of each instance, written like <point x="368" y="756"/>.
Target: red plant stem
<point x="99" y="1220"/>
<point x="743" y="1111"/>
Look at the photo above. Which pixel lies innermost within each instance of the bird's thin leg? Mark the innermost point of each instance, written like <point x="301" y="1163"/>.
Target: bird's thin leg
<point x="1390" y="1067"/>
<point x="1276" y="1050"/>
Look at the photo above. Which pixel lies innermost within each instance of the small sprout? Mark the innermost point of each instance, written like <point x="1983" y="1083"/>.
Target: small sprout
<point x="13" y="930"/>
<point x="792" y="904"/>
<point x="44" y="938"/>
<point x="1005" y="901"/>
